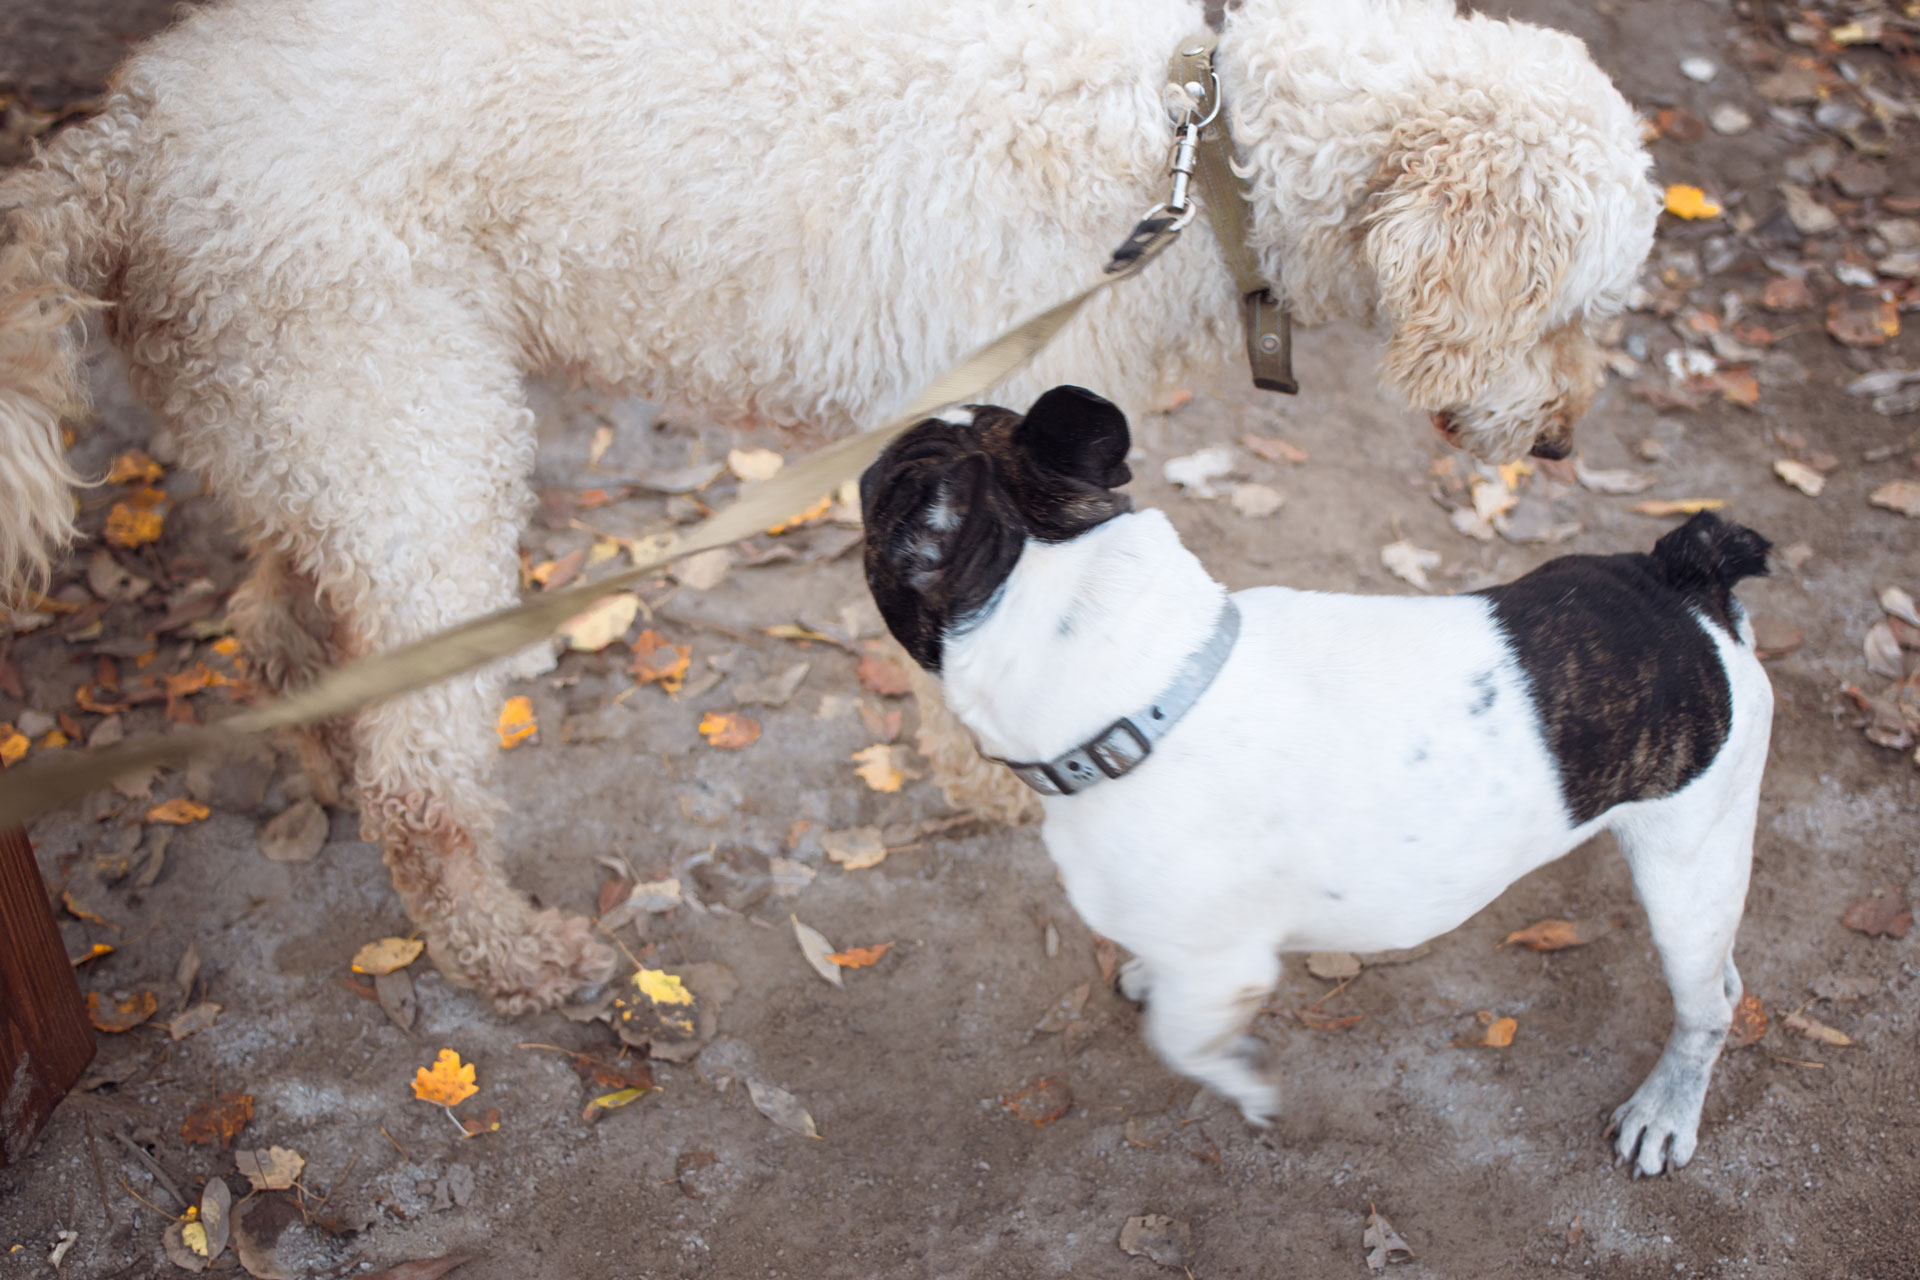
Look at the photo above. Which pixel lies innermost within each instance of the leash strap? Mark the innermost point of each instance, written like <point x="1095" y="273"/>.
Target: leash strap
<point x="1119" y="749"/>
<point x="48" y="781"/>
<point x="1269" y="326"/>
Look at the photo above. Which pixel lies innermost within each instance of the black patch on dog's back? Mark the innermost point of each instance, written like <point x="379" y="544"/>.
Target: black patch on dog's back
<point x="1631" y="692"/>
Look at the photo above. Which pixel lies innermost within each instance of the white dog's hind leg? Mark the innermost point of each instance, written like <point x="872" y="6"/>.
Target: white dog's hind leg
<point x="1693" y="889"/>
<point x="1197" y="1015"/>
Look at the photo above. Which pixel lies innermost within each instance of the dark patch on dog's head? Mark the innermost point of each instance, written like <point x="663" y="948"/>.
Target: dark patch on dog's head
<point x="1631" y="692"/>
<point x="949" y="506"/>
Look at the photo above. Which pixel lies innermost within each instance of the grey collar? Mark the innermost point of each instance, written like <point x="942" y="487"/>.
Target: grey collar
<point x="1119" y="748"/>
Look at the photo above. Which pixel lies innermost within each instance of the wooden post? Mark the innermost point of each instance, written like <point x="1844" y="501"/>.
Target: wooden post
<point x="45" y="1038"/>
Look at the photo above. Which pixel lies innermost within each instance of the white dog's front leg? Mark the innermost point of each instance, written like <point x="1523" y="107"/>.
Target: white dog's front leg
<point x="1197" y="1017"/>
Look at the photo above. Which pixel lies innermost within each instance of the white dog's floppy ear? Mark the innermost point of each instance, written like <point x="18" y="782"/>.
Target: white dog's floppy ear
<point x="1468" y="254"/>
<point x="1073" y="432"/>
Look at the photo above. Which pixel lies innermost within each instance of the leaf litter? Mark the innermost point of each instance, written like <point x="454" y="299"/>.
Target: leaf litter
<point x="817" y="951"/>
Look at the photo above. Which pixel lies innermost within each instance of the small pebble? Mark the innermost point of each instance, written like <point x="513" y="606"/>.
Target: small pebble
<point x="1698" y="69"/>
<point x="1729" y="119"/>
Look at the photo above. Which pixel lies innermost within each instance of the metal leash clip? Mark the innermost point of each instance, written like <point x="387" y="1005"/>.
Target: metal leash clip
<point x="1161" y="225"/>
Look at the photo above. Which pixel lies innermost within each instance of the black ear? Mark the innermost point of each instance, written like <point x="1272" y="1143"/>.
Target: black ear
<point x="1073" y="432"/>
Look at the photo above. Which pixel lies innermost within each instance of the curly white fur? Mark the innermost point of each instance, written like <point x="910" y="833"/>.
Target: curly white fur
<point x="334" y="234"/>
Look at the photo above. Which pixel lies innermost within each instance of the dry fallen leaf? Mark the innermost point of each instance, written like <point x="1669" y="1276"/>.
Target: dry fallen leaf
<point x="134" y="468"/>
<point x="1158" y="1239"/>
<point x="1612" y="481"/>
<point x="116" y="1016"/>
<point x="446" y="1082"/>
<point x="218" y="1121"/>
<point x="1409" y="563"/>
<point x="817" y="950"/>
<point x="1800" y="476"/>
<point x="1863" y="320"/>
<point x="138" y="520"/>
<point x="1040" y="1103"/>
<point x="1898" y="495"/>
<point x="1333" y="966"/>
<point x="882" y="676"/>
<point x="879" y="767"/>
<point x="295" y="835"/>
<point x="1557" y="935"/>
<point x="1318" y="1020"/>
<point x="1197" y="471"/>
<point x="1677" y="506"/>
<point x="1273" y="449"/>
<point x="781" y="1107"/>
<point x="1880" y="914"/>
<point x="13" y="745"/>
<point x="1814" y="1029"/>
<point x="654" y="660"/>
<point x="856" y="848"/>
<point x="387" y="955"/>
<point x="195" y="1018"/>
<point x="600" y="624"/>
<point x="1690" y="202"/>
<point x="1382" y="1242"/>
<point x="1498" y="1033"/>
<point x="754" y="464"/>
<point x="274" y="1169"/>
<point x="860" y="957"/>
<point x="1749" y="1022"/>
<point x="729" y="732"/>
<point x="1256" y="501"/>
<point x="516" y="723"/>
<point x="704" y="570"/>
<point x="178" y="812"/>
<point x="1882" y="650"/>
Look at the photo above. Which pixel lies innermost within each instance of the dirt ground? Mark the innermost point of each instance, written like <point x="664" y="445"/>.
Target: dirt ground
<point x="1489" y="1162"/>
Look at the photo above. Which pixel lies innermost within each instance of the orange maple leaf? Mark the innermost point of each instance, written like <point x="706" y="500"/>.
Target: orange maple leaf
<point x="138" y="520"/>
<point x="517" y="722"/>
<point x="446" y="1082"/>
<point x="178" y="812"/>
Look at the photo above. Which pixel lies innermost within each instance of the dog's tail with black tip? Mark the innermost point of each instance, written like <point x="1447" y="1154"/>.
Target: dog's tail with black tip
<point x="1703" y="558"/>
<point x="59" y="244"/>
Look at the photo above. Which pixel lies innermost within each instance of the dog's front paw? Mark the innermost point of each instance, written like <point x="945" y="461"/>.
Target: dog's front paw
<point x="1655" y="1130"/>
<point x="1133" y="981"/>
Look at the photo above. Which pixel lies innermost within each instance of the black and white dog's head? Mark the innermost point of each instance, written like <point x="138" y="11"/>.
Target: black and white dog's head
<point x="950" y="504"/>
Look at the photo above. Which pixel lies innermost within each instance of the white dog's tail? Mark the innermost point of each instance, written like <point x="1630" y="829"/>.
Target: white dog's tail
<point x="57" y="243"/>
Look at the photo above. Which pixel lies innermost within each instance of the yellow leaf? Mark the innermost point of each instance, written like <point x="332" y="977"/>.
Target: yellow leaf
<point x="387" y="955"/>
<point x="877" y="768"/>
<point x="1548" y="935"/>
<point x="1498" y="1034"/>
<point x="1677" y="506"/>
<point x="138" y="520"/>
<point x="729" y="732"/>
<point x="860" y="957"/>
<point x="54" y="740"/>
<point x="134" y="468"/>
<point x="856" y="847"/>
<point x="94" y="952"/>
<point x="13" y="744"/>
<point x="446" y="1082"/>
<point x="618" y="1098"/>
<point x="178" y="812"/>
<point x="226" y="646"/>
<point x="815" y="512"/>
<point x="516" y="723"/>
<point x="1510" y="472"/>
<point x="662" y="987"/>
<point x="194" y="1234"/>
<point x="603" y="550"/>
<point x="602" y="624"/>
<point x="1690" y="202"/>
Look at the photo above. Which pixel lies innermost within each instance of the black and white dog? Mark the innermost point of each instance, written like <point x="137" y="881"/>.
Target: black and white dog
<point x="1230" y="777"/>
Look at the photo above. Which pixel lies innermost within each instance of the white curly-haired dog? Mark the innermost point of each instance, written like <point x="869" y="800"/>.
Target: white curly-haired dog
<point x="332" y="236"/>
